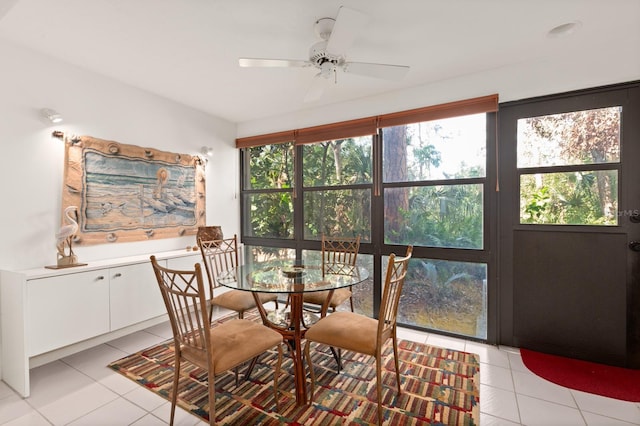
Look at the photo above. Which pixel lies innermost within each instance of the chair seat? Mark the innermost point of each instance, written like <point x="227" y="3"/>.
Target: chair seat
<point x="340" y="296"/>
<point x="346" y="330"/>
<point x="240" y="301"/>
<point x="230" y="344"/>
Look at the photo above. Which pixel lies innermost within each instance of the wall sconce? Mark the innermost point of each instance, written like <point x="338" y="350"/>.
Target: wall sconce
<point x="51" y="115"/>
<point x="206" y="150"/>
<point x="58" y="134"/>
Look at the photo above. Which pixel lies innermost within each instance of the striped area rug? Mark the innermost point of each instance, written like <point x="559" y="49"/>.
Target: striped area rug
<point x="439" y="386"/>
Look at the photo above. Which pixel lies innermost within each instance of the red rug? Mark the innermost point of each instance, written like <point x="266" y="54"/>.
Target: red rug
<point x="599" y="379"/>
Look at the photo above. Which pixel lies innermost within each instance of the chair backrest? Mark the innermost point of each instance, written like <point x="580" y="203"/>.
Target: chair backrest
<point x="394" y="281"/>
<point x="186" y="303"/>
<point x="218" y="256"/>
<point x="339" y="251"/>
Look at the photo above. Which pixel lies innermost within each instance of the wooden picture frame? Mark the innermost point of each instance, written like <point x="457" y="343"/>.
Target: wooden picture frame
<point x="130" y="193"/>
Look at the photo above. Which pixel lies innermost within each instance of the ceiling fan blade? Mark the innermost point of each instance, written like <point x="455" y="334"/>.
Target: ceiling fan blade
<point x="316" y="89"/>
<point x="272" y="63"/>
<point x="383" y="71"/>
<point x="347" y="27"/>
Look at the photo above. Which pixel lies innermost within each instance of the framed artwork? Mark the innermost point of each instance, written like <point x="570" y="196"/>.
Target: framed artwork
<point x="129" y="193"/>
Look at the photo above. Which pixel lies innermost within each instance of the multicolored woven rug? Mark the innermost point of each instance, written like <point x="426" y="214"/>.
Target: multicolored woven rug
<point x="439" y="387"/>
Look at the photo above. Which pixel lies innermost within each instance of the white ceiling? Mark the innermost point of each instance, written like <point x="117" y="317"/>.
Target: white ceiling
<point x="188" y="50"/>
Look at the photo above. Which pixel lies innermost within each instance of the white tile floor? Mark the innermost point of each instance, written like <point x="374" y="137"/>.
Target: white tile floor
<point x="81" y="390"/>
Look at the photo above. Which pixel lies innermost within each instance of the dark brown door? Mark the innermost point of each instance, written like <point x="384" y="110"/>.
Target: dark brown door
<point x="569" y="222"/>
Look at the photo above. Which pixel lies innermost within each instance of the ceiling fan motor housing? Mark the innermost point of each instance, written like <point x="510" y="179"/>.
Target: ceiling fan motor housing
<point x="318" y="55"/>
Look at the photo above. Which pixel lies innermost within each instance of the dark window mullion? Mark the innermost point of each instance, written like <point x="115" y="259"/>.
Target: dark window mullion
<point x="569" y="168"/>
<point x="377" y="221"/>
<point x="298" y="202"/>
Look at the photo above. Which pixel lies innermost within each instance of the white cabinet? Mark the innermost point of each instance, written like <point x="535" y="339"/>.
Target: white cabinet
<point x="134" y="295"/>
<point x="66" y="309"/>
<point x="186" y="263"/>
<point x="50" y="313"/>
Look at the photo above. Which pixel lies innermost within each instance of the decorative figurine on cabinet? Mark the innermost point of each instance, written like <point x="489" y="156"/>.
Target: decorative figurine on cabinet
<point x="65" y="236"/>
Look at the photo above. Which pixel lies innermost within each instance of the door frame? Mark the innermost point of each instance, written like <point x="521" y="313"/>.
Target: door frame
<point x="627" y="95"/>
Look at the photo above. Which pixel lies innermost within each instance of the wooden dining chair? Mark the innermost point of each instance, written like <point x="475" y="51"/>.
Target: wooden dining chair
<point x="336" y="252"/>
<point x="359" y="333"/>
<point x="215" y="349"/>
<point x="219" y="256"/>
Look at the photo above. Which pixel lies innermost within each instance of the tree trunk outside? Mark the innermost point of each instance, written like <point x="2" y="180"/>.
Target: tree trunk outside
<point x="396" y="201"/>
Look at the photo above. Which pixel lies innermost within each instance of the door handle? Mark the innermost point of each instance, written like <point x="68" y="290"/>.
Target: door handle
<point x="634" y="245"/>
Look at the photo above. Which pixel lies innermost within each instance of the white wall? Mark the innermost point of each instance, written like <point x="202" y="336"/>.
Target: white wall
<point x="31" y="164"/>
<point x="518" y="81"/>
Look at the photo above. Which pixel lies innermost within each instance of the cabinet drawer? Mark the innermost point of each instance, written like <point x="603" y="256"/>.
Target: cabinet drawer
<point x="66" y="309"/>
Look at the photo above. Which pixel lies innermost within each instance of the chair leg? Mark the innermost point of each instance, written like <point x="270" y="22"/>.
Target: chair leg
<point x="174" y="393"/>
<point x="351" y="303"/>
<point x="252" y="364"/>
<point x="240" y="316"/>
<point x="212" y="397"/>
<point x="394" y="340"/>
<point x="288" y="301"/>
<point x="379" y="386"/>
<point x="312" y="375"/>
<point x="235" y="371"/>
<point x="337" y="355"/>
<point x="276" y="376"/>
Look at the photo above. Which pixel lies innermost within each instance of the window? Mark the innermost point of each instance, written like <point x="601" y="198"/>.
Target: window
<point x="337" y="177"/>
<point x="415" y="177"/>
<point x="568" y="166"/>
<point x="268" y="191"/>
<point x="434" y="177"/>
<point x="445" y="295"/>
<point x="440" y="168"/>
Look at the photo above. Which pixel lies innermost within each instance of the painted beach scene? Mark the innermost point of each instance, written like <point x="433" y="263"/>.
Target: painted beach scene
<point x="125" y="193"/>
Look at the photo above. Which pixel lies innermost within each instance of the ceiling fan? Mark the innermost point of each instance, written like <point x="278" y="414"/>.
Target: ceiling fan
<point x="329" y="54"/>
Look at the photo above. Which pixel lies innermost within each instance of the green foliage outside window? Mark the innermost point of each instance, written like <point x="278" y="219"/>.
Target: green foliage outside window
<point x="270" y="166"/>
<point x="344" y="213"/>
<point x="570" y="198"/>
<point x="271" y="215"/>
<point x="568" y="140"/>
<point x="269" y="169"/>
<point x="338" y="162"/>
<point x="439" y="216"/>
<point x="335" y="211"/>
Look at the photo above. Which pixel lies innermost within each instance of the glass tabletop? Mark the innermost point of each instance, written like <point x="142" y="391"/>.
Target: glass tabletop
<point x="282" y="277"/>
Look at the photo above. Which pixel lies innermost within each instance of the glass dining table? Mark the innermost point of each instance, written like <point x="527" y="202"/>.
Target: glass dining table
<point x="285" y="278"/>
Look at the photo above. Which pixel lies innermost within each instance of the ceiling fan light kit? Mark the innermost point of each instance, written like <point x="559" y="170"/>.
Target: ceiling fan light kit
<point x="323" y="27"/>
<point x="329" y="54"/>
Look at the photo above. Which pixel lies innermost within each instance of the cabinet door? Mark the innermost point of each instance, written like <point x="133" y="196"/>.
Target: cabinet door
<point x="66" y="309"/>
<point x="134" y="294"/>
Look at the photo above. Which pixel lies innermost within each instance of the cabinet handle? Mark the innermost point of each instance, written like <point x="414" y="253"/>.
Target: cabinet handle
<point x="117" y="275"/>
<point x="100" y="277"/>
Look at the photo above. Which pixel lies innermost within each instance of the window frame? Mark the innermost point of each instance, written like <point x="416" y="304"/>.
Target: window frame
<point x="376" y="247"/>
